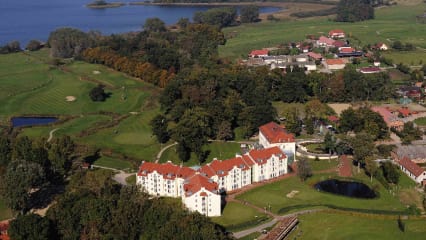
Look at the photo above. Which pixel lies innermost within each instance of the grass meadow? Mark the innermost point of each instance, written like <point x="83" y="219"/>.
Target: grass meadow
<point x="330" y="225"/>
<point x="236" y="216"/>
<point x="113" y="163"/>
<point x="390" y="24"/>
<point x="5" y="212"/>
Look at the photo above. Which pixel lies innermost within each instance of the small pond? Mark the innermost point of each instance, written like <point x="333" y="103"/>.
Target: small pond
<point x="345" y="188"/>
<point x="31" y="121"/>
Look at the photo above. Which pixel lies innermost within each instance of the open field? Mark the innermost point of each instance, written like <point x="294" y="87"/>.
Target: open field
<point x="274" y="194"/>
<point x="344" y="226"/>
<point x="113" y="163"/>
<point x="219" y="150"/>
<point x="236" y="216"/>
<point x="391" y="23"/>
<point x="322" y="165"/>
<point x="5" y="212"/>
<point x="411" y="58"/>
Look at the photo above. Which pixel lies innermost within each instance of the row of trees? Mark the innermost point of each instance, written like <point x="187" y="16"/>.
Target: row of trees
<point x="227" y="16"/>
<point x="354" y="10"/>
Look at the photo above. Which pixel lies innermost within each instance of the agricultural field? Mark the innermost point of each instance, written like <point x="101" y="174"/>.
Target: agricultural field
<point x="390" y="24"/>
<point x="335" y="225"/>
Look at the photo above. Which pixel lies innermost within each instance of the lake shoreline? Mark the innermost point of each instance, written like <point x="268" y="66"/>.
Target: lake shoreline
<point x="107" y="5"/>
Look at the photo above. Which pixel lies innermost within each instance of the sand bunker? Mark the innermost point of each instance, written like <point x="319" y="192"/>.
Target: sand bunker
<point x="292" y="194"/>
<point x="70" y="98"/>
<point x="96" y="72"/>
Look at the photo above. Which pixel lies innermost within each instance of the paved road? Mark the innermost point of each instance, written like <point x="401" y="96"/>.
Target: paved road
<point x="120" y="177"/>
<point x="51" y="134"/>
<point x="162" y="150"/>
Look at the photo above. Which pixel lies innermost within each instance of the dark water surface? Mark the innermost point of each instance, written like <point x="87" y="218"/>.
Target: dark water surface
<point x="31" y="121"/>
<point x="24" y="20"/>
<point x="345" y="188"/>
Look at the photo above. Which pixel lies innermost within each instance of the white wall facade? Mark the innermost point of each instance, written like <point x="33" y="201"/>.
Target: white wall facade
<point x="204" y="202"/>
<point x="418" y="179"/>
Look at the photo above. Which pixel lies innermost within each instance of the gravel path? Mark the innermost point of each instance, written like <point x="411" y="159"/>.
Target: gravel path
<point x="51" y="134"/>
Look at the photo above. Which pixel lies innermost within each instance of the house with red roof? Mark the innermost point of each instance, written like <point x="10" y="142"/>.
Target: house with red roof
<point x="273" y="135"/>
<point x="334" y="64"/>
<point x="230" y="174"/>
<point x="381" y="46"/>
<point x="336" y="33"/>
<point x="412" y="170"/>
<point x="4" y="226"/>
<point x="201" y="195"/>
<point x="259" y="53"/>
<point x="315" y="56"/>
<point x="268" y="163"/>
<point x="325" y="42"/>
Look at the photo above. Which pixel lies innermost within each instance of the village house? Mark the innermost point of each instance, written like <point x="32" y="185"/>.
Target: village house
<point x="336" y="33"/>
<point x="381" y="46"/>
<point x="315" y="56"/>
<point x="259" y="53"/>
<point x="411" y="169"/>
<point x="325" y="42"/>
<point x="334" y="64"/>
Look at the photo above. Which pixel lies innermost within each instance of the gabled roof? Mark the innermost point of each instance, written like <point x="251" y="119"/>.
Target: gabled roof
<point x="196" y="182"/>
<point x="315" y="56"/>
<point x="339" y="44"/>
<point x="335" y="61"/>
<point x="370" y="70"/>
<point x="221" y="168"/>
<point x="274" y="133"/>
<point x="387" y="116"/>
<point x="411" y="166"/>
<point x="167" y="170"/>
<point x="261" y="156"/>
<point x="346" y="50"/>
<point x="259" y="52"/>
<point x="326" y="40"/>
<point x="335" y="32"/>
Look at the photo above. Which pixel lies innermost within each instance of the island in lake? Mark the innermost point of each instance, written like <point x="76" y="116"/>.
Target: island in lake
<point x="104" y="4"/>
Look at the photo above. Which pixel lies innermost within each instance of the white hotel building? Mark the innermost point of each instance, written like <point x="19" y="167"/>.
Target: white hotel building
<point x="200" y="190"/>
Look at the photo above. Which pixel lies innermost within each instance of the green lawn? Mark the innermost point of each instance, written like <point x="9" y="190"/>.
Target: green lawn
<point x="274" y="194"/>
<point x="252" y="236"/>
<point x="420" y="121"/>
<point x="113" y="163"/>
<point x="335" y="226"/>
<point x="390" y="24"/>
<point x="323" y="164"/>
<point x="236" y="217"/>
<point x="219" y="150"/>
<point x="5" y="212"/>
<point x="131" y="180"/>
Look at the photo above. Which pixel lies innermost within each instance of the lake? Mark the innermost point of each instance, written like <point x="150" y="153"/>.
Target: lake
<point x="346" y="188"/>
<point x="32" y="121"/>
<point x="24" y="20"/>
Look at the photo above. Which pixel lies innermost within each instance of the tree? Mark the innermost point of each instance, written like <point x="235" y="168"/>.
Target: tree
<point x="68" y="42"/>
<point x="5" y="150"/>
<point x="21" y="180"/>
<point x="183" y="22"/>
<point x="390" y="172"/>
<point x="97" y="94"/>
<point x="363" y="146"/>
<point x="34" y="45"/>
<point x="225" y="131"/>
<point x="354" y="10"/>
<point x="31" y="226"/>
<point x="249" y="13"/>
<point x="154" y="25"/>
<point x="329" y="143"/>
<point x="371" y="167"/>
<point x="310" y="129"/>
<point x="303" y="169"/>
<point x="159" y="125"/>
<point x="60" y="154"/>
<point x="221" y="17"/>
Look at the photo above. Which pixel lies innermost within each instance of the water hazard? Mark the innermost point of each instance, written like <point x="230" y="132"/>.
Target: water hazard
<point x="32" y="121"/>
<point x="345" y="188"/>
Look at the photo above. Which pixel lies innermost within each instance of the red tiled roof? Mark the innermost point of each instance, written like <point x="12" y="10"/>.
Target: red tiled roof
<point x="346" y="50"/>
<point x="387" y="116"/>
<point x="261" y="156"/>
<point x="203" y="194"/>
<point x="411" y="166"/>
<point x="221" y="168"/>
<point x="259" y="52"/>
<point x="167" y="170"/>
<point x="404" y="111"/>
<point x="4" y="226"/>
<point x="274" y="133"/>
<point x="198" y="181"/>
<point x="315" y="56"/>
<point x="335" y="32"/>
<point x="339" y="44"/>
<point x="326" y="40"/>
<point x="333" y="61"/>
